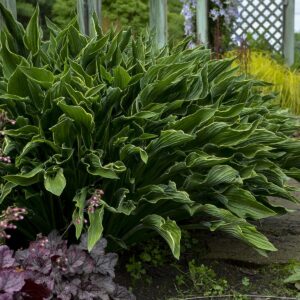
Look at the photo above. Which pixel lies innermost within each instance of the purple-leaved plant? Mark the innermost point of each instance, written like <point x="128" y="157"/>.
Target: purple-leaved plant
<point x="49" y="269"/>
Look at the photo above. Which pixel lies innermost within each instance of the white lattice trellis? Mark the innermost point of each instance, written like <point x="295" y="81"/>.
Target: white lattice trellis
<point x="263" y="19"/>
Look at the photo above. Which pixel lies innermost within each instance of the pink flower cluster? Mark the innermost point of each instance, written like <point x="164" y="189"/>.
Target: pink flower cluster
<point x="94" y="201"/>
<point x="5" y="120"/>
<point x="5" y="159"/>
<point x="8" y="216"/>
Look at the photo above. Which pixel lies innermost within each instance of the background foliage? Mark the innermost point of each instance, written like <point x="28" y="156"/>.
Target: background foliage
<point x="133" y="13"/>
<point x="284" y="81"/>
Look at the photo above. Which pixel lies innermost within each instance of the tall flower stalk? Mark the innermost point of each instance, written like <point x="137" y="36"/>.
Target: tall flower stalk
<point x="222" y="12"/>
<point x="7" y="219"/>
<point x="188" y="12"/>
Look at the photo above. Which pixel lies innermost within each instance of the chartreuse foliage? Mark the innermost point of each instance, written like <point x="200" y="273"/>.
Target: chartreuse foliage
<point x="285" y="82"/>
<point x="167" y="136"/>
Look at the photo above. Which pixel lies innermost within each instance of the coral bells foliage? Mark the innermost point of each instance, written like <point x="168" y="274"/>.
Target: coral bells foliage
<point x="49" y="269"/>
<point x="169" y="136"/>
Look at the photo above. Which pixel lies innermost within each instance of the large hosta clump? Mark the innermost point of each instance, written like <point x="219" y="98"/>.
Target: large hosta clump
<point x="125" y="142"/>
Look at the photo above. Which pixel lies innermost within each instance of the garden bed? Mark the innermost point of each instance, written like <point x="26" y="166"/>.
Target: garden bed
<point x="244" y="281"/>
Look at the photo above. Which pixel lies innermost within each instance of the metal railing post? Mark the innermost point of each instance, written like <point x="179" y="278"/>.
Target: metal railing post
<point x="10" y="5"/>
<point x="85" y="11"/>
<point x="289" y="32"/>
<point x="158" y="22"/>
<point x="202" y="21"/>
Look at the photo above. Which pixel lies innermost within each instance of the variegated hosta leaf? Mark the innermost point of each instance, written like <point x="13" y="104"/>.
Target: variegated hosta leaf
<point x="78" y="214"/>
<point x="168" y="229"/>
<point x="165" y="136"/>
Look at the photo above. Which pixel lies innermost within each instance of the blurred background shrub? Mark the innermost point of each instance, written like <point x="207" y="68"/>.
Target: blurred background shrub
<point x="134" y="13"/>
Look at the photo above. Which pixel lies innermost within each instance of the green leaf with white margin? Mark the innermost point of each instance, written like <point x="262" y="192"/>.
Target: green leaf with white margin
<point x="64" y="132"/>
<point x="168" y="229"/>
<point x="244" y="204"/>
<point x="6" y="190"/>
<point x="55" y="181"/>
<point x="155" y="193"/>
<point x="13" y="26"/>
<point x="217" y="175"/>
<point x="168" y="139"/>
<point x="10" y="60"/>
<point x="222" y="174"/>
<point x="232" y="137"/>
<point x="27" y="178"/>
<point x="83" y="120"/>
<point x="77" y="217"/>
<point x="193" y="121"/>
<point x="203" y="160"/>
<point x="236" y="227"/>
<point x="121" y="77"/>
<point x="32" y="38"/>
<point x="26" y="131"/>
<point x="17" y="84"/>
<point x="95" y="167"/>
<point x="41" y="76"/>
<point x="129" y="149"/>
<point x="78" y="114"/>
<point x="123" y="206"/>
<point x="95" y="228"/>
<point x="33" y="144"/>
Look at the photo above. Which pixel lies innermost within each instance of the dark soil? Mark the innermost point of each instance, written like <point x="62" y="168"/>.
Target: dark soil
<point x="264" y="280"/>
<point x="231" y="260"/>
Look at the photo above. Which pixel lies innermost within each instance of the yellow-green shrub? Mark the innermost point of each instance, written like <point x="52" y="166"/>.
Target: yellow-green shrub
<point x="285" y="82"/>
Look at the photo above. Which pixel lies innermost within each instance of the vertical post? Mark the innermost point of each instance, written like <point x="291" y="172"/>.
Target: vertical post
<point x="202" y="21"/>
<point x="98" y="9"/>
<point x="158" y="22"/>
<point x="10" y="5"/>
<point x="289" y="32"/>
<point x="85" y="11"/>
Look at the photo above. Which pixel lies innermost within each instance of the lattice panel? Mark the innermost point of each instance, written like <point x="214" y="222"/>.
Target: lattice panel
<point x="263" y="19"/>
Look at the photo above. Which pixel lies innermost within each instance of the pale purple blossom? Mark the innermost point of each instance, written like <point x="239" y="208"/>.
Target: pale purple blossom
<point x="227" y="9"/>
<point x="188" y="11"/>
<point x="214" y="14"/>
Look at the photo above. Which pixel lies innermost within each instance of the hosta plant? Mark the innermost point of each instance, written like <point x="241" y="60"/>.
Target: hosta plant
<point x="125" y="142"/>
<point x="49" y="269"/>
